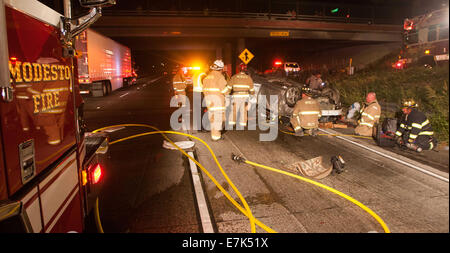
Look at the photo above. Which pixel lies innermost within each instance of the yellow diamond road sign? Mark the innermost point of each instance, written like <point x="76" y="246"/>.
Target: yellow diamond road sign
<point x="246" y="56"/>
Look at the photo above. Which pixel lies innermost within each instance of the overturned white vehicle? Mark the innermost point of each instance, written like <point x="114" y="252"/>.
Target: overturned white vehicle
<point x="289" y="92"/>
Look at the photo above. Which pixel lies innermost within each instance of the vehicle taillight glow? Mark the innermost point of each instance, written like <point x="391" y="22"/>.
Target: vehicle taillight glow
<point x="96" y="174"/>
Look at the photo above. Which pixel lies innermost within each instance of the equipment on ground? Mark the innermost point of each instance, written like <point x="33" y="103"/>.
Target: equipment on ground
<point x="384" y="133"/>
<point x="338" y="164"/>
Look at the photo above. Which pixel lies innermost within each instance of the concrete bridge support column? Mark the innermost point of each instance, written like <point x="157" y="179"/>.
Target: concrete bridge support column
<point x="240" y="46"/>
<point x="228" y="58"/>
<point x="218" y="53"/>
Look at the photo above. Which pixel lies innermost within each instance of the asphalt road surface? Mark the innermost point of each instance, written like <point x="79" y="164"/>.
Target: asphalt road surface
<point x="149" y="189"/>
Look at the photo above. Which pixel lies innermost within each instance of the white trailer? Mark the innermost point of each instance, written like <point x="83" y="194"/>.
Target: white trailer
<point x="104" y="65"/>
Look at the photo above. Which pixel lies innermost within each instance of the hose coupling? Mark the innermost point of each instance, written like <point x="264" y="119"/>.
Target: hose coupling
<point x="237" y="158"/>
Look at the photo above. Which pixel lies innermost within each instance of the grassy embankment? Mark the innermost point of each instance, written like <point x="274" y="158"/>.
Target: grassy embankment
<point x="429" y="87"/>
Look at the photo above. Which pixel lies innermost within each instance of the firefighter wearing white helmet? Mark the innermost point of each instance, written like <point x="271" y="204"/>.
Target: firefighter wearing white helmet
<point x="214" y="90"/>
<point x="306" y="114"/>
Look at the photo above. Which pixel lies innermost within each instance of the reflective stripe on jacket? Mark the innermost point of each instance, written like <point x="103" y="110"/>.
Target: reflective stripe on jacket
<point x="241" y="84"/>
<point x="214" y="83"/>
<point x="179" y="83"/>
<point x="370" y="114"/>
<point x="307" y="112"/>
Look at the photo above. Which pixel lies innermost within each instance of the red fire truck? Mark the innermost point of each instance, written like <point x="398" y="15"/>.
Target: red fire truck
<point x="103" y="64"/>
<point x="425" y="39"/>
<point x="50" y="169"/>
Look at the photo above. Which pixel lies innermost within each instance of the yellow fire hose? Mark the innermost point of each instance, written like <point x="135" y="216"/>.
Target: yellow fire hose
<point x="245" y="211"/>
<point x="354" y="201"/>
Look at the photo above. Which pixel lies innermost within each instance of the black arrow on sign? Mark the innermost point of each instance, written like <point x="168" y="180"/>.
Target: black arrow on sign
<point x="246" y="56"/>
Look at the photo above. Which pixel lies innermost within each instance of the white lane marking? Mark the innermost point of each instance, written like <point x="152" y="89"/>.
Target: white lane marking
<point x="392" y="158"/>
<point x="124" y="94"/>
<point x="201" y="200"/>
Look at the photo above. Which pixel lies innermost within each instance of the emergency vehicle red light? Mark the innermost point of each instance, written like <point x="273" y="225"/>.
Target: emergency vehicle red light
<point x="399" y="64"/>
<point x="13" y="59"/>
<point x="277" y="63"/>
<point x="97" y="174"/>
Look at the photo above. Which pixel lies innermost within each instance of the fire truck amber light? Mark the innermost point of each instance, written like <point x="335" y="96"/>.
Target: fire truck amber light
<point x="97" y="174"/>
<point x="84" y="177"/>
<point x="427" y="51"/>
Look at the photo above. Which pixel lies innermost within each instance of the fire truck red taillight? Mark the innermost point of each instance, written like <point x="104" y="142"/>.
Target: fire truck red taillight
<point x="97" y="174"/>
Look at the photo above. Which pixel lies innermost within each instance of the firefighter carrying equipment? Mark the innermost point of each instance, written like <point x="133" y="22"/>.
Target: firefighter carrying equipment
<point x="214" y="90"/>
<point x="369" y="116"/>
<point x="416" y="129"/>
<point x="241" y="87"/>
<point x="179" y="87"/>
<point x="240" y="159"/>
<point x="306" y="114"/>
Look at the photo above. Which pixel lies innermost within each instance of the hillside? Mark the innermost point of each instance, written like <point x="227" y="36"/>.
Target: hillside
<point x="429" y="87"/>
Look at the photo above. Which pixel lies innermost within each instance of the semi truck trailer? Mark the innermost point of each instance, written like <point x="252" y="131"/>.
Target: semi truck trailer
<point x="104" y="65"/>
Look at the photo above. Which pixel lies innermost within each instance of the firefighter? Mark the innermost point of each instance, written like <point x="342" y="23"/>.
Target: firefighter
<point x="315" y="81"/>
<point x="214" y="90"/>
<point x="306" y="114"/>
<point x="241" y="85"/>
<point x="370" y="114"/>
<point x="179" y="87"/>
<point x="415" y="131"/>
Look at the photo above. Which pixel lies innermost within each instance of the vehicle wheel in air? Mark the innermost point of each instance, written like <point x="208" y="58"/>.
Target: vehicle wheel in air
<point x="292" y="95"/>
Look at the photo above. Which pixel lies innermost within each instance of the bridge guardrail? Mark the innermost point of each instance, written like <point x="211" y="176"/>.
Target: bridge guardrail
<point x="247" y="15"/>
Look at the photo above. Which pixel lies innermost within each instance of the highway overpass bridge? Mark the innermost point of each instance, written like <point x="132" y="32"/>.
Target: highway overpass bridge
<point x="229" y="34"/>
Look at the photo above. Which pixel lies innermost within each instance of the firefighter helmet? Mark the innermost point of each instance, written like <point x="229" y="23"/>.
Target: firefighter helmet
<point x="306" y="90"/>
<point x="217" y="65"/>
<point x="409" y="103"/>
